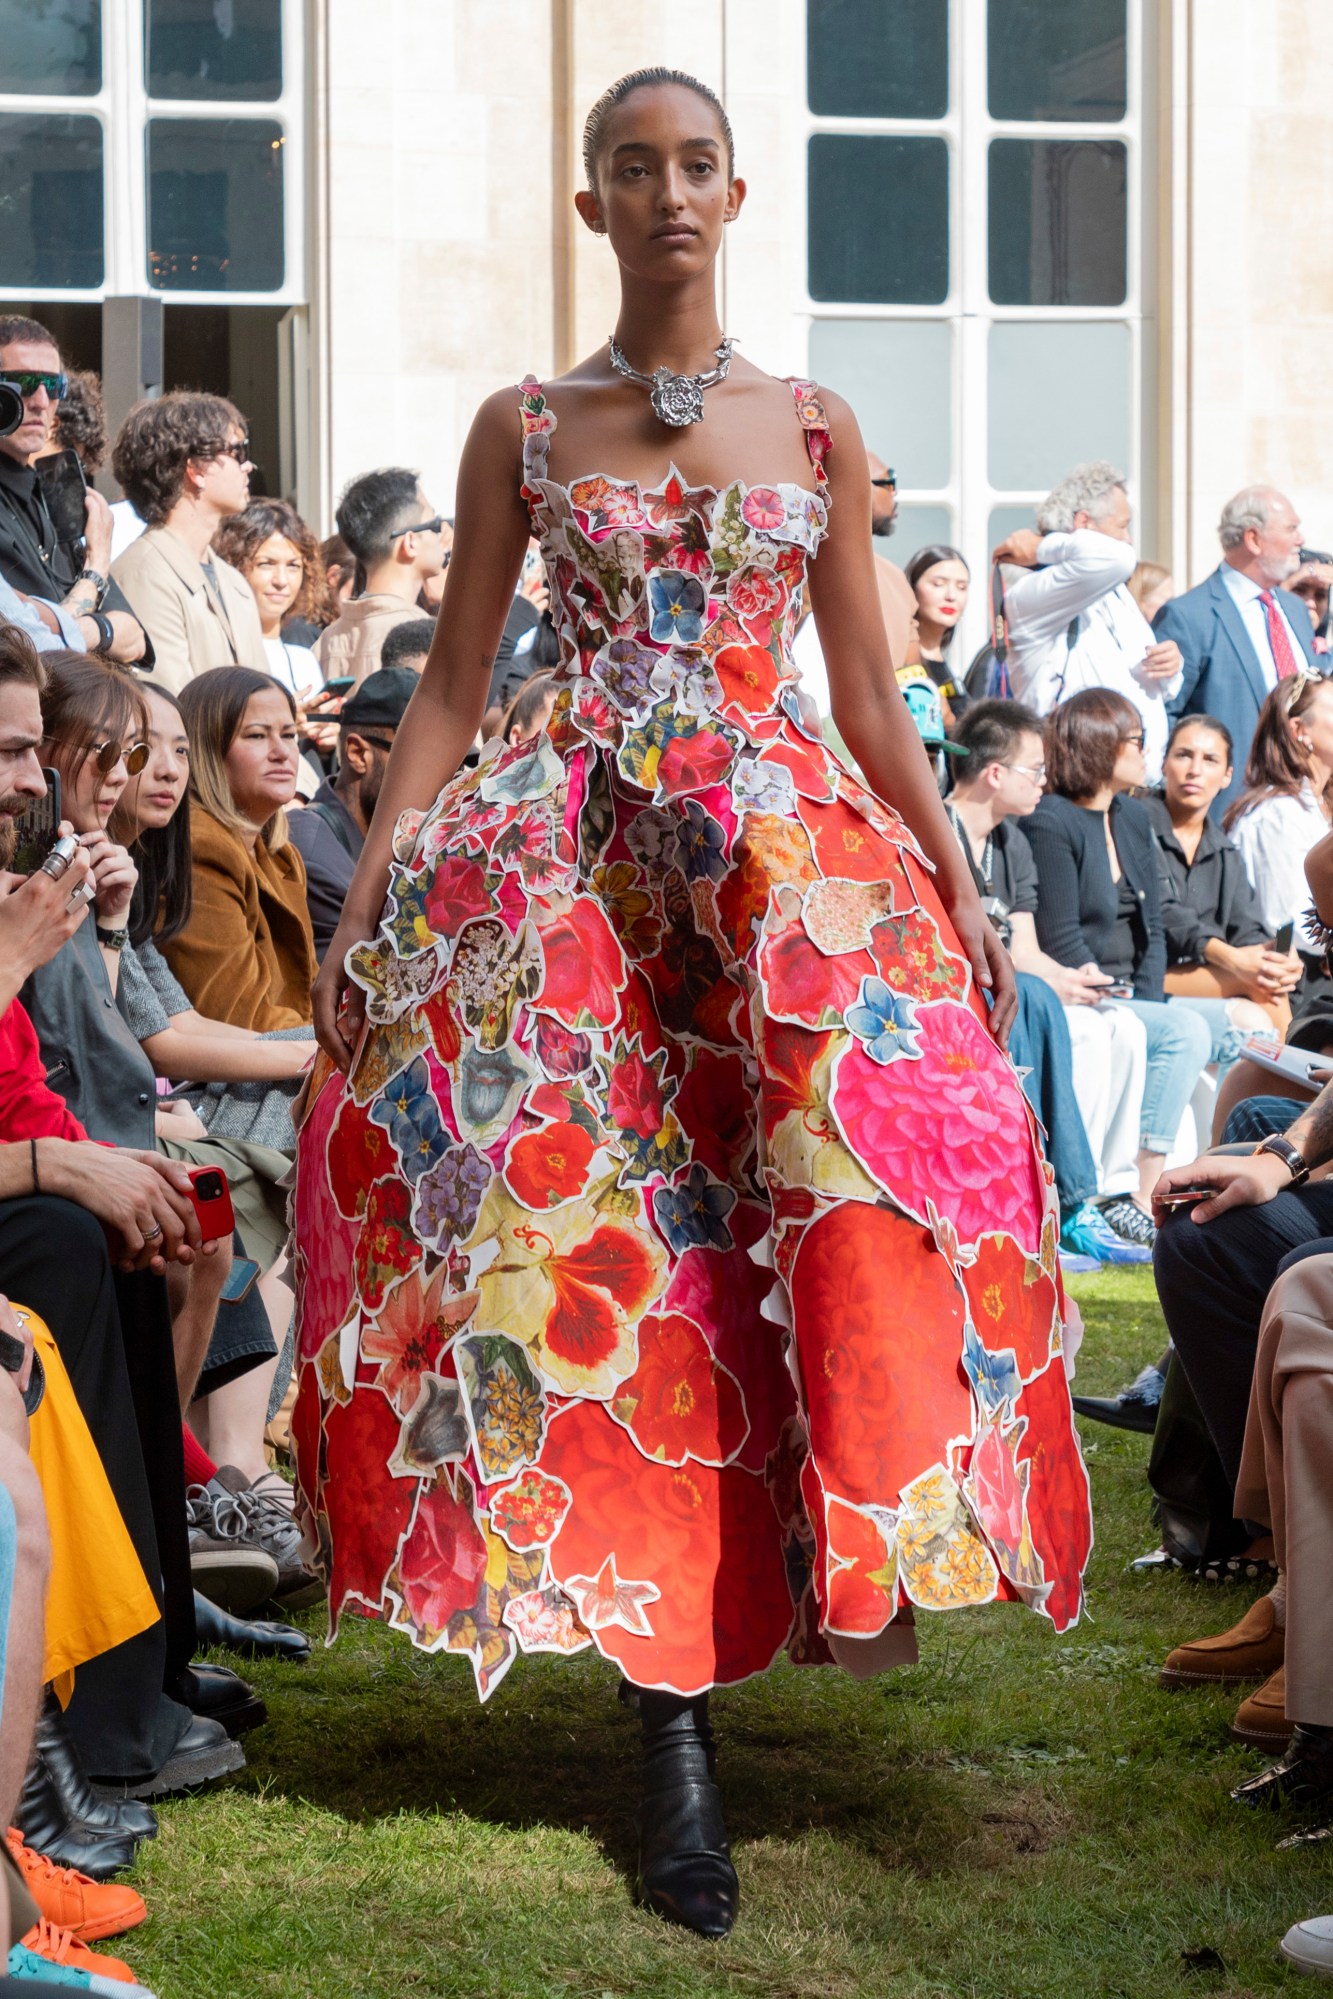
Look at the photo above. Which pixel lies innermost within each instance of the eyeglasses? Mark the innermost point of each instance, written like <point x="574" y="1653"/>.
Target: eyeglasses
<point x="27" y="383"/>
<point x="890" y="479"/>
<point x="1138" y="741"/>
<point x="240" y="451"/>
<point x="1037" y="772"/>
<point x="420" y="527"/>
<point x="108" y="754"/>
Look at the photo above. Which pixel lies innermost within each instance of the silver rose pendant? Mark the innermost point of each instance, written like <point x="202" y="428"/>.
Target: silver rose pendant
<point x="676" y="399"/>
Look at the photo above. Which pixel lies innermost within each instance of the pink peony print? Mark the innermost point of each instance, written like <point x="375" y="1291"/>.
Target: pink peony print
<point x="948" y="1128"/>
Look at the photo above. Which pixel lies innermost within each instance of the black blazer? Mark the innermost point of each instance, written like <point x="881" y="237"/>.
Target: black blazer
<point x="36" y="562"/>
<point x="1211" y="898"/>
<point x="1076" y="898"/>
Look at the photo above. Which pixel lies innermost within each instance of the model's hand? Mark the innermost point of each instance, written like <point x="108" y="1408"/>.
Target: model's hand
<point x="1161" y="661"/>
<point x="114" y="877"/>
<point x="1240" y="1183"/>
<point x="1021" y="548"/>
<point x="36" y="916"/>
<point x="339" y="1005"/>
<point x="992" y="967"/>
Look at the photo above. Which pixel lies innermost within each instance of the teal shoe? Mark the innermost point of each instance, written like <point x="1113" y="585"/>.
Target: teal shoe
<point x="26" y="1964"/>
<point x="1088" y="1233"/>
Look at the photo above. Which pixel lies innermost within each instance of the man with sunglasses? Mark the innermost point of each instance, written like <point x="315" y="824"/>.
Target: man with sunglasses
<point x="183" y="462"/>
<point x="403" y="546"/>
<point x="77" y="606"/>
<point x="331" y="830"/>
<point x="897" y="599"/>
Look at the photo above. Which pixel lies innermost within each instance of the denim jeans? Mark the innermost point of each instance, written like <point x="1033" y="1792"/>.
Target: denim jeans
<point x="1039" y="1042"/>
<point x="1179" y="1044"/>
<point x="1228" y="1039"/>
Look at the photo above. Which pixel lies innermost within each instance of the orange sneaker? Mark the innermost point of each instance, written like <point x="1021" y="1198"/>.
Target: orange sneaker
<point x="56" y="1946"/>
<point x="88" y="1909"/>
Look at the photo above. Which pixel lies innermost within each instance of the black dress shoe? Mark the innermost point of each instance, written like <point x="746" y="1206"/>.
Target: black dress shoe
<point x="685" y="1870"/>
<point x="1303" y="1777"/>
<point x="1134" y="1408"/>
<point x="57" y="1765"/>
<point x="253" y="1638"/>
<point x="215" y="1693"/>
<point x="69" y="1842"/>
<point x="204" y="1752"/>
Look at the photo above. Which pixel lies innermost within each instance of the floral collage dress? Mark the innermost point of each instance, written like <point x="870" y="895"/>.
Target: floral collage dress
<point x="677" y="1267"/>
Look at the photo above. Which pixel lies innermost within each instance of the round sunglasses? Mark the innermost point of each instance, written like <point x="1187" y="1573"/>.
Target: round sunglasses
<point x="108" y="754"/>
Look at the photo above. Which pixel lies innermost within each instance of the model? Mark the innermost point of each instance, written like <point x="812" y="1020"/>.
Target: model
<point x="677" y="1262"/>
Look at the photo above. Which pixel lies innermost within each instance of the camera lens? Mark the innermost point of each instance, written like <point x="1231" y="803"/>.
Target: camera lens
<point x="208" y="1186"/>
<point x="11" y="408"/>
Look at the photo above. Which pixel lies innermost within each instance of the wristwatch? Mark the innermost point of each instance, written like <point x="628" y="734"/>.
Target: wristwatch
<point x="116" y="940"/>
<point x="94" y="576"/>
<point x="1283" y="1149"/>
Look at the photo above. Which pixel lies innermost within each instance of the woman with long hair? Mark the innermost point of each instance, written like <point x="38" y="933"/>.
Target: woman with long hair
<point x="940" y="580"/>
<point x="1284" y="809"/>
<point x="645" y="1042"/>
<point x="280" y="559"/>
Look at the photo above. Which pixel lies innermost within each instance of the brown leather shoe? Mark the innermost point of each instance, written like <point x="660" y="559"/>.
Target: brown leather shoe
<point x="1251" y="1650"/>
<point x="1261" y="1718"/>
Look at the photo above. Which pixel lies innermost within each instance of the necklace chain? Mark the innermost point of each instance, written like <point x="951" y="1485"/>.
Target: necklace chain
<point x="676" y="399"/>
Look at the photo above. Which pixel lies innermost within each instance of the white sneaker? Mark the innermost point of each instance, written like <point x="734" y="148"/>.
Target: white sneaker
<point x="1309" y="1946"/>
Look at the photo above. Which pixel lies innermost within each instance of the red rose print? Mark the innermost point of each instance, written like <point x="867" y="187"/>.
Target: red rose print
<point x="456" y="894"/>
<point x="443" y="1560"/>
<point x="691" y="763"/>
<point x="679" y="1403"/>
<point x="585" y="966"/>
<point x="548" y="1166"/>
<point x="634" y="1100"/>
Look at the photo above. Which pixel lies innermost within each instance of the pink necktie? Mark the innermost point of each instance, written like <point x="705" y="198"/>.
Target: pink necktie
<point x="1283" y="658"/>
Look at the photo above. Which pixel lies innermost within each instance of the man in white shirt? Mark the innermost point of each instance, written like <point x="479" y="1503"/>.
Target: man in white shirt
<point x="1239" y="631"/>
<point x="1072" y="622"/>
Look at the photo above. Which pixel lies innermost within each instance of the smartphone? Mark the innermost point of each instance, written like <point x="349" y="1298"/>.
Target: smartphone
<point x="241" y="1280"/>
<point x="38" y="828"/>
<point x="66" y="493"/>
<point x="1282" y="942"/>
<point x="1118" y="991"/>
<point x="342" y="683"/>
<point x="212" y="1202"/>
<point x="1185" y="1197"/>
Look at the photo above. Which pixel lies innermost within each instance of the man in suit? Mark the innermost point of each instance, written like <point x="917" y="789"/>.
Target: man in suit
<point x="1239" y="632"/>
<point x="184" y="463"/>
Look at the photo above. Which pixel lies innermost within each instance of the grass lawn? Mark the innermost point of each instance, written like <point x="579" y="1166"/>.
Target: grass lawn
<point x="1018" y="1815"/>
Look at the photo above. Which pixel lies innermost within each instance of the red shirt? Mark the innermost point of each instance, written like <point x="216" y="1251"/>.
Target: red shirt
<point x="28" y="1108"/>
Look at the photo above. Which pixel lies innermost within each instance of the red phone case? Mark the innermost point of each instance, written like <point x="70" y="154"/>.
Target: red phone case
<point x="215" y="1212"/>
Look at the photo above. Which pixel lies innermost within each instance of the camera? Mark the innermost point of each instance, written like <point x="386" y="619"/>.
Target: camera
<point x="11" y="408"/>
<point x="1001" y="917"/>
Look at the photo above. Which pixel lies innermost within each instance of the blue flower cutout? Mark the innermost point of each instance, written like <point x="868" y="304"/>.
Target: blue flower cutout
<point x="692" y="1214"/>
<point x="407" y="1110"/>
<point x="885" y="1021"/>
<point x="701" y="844"/>
<point x="995" y="1376"/>
<point x="678" y="604"/>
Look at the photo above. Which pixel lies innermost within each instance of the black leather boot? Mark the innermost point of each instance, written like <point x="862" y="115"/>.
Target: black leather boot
<point x="255" y="1638"/>
<point x="685" y="1870"/>
<point x="55" y="1753"/>
<point x="47" y="1827"/>
<point x="1303" y="1777"/>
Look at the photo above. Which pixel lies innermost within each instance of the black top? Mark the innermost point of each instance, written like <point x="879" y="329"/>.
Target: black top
<point x="1006" y="868"/>
<point x="1078" y="907"/>
<point x="1210" y="897"/>
<point x="329" y="841"/>
<point x="31" y="555"/>
<point x="1119" y="959"/>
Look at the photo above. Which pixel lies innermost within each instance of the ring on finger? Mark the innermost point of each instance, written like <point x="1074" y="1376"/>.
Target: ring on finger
<point x="152" y="1234"/>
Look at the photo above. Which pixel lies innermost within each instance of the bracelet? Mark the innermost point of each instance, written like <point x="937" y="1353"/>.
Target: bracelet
<point x="106" y="631"/>
<point x="115" y="940"/>
<point x="32" y="1153"/>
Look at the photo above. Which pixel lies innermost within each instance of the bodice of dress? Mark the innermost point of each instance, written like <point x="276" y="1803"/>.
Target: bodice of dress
<point x="674" y="600"/>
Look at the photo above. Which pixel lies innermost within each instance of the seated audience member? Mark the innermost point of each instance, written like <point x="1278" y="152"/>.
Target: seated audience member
<point x="1077" y="1052"/>
<point x="1100" y="911"/>
<point x="1239" y="631"/>
<point x="407" y="646"/>
<point x="102" y="1296"/>
<point x="1072" y="622"/>
<point x="896" y="601"/>
<point x="1283" y="810"/>
<point x="940" y="580"/>
<point x="1311" y="584"/>
<point x="331" y="830"/>
<point x="387" y="522"/>
<point x="81" y="421"/>
<point x="1151" y="586"/>
<point x="340" y="573"/>
<point x="432" y="590"/>
<point x="529" y="711"/>
<point x="33" y="560"/>
<point x="246" y="955"/>
<point x="183" y="461"/>
<point x="278" y="556"/>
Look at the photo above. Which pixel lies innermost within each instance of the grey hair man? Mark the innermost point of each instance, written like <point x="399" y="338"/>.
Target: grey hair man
<point x="1072" y="622"/>
<point x="1239" y="631"/>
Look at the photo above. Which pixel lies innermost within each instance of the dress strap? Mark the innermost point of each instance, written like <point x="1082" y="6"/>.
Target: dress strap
<point x="538" y="423"/>
<point x="810" y="415"/>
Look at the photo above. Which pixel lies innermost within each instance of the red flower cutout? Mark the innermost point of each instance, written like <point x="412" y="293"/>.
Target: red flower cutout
<point x="386" y="1249"/>
<point x="1059" y="1510"/>
<point x="807" y="766"/>
<point x="692" y="763"/>
<point x="800" y="983"/>
<point x="443" y="1561"/>
<point x="847" y="847"/>
<point x="749" y="677"/>
<point x="457" y="893"/>
<point x="1013" y="1302"/>
<point x="585" y="966"/>
<point x="680" y="1403"/>
<point x="634" y="1100"/>
<point x="862" y="1573"/>
<point x="610" y="1269"/>
<point x="358" y="1153"/>
<point x="367" y="1510"/>
<point x="528" y="1513"/>
<point x="548" y="1166"/>
<point x="716" y="1109"/>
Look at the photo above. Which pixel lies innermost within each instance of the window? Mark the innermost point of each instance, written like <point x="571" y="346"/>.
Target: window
<point x="52" y="50"/>
<point x="199" y="50"/>
<point x="1057" y="222"/>
<point x="215" y="204"/>
<point x="1057" y="59"/>
<point x="879" y="220"/>
<point x="50" y="201"/>
<point x="866" y="59"/>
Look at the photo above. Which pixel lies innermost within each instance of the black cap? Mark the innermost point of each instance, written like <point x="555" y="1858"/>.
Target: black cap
<point x="381" y="699"/>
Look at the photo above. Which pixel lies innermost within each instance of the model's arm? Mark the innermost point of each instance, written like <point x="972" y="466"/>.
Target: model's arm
<point x="869" y="710"/>
<point x="446" y="710"/>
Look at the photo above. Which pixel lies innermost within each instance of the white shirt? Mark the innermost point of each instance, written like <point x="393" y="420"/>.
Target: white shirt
<point x="126" y="527"/>
<point x="295" y="666"/>
<point x="15" y="611"/>
<point x="1274" y="839"/>
<point x="1246" y="593"/>
<point x="1083" y="575"/>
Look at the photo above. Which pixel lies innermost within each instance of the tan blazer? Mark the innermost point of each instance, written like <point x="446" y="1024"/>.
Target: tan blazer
<point x="246" y="955"/>
<point x="897" y="600"/>
<point x="192" y="626"/>
<point x="352" y="643"/>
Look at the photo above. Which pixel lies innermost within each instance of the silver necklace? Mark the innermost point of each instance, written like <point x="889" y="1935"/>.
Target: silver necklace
<point x="676" y="399"/>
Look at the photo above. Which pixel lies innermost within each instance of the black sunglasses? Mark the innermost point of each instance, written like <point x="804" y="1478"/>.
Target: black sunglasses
<point x="240" y="451"/>
<point x="27" y="383"/>
<point x="890" y="479"/>
<point x="420" y="527"/>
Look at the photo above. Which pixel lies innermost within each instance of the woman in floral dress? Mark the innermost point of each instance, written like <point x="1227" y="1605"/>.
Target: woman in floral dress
<point x="677" y="1261"/>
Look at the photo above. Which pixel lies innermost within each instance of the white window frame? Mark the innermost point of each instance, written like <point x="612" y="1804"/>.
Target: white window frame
<point x="123" y="108"/>
<point x="968" y="309"/>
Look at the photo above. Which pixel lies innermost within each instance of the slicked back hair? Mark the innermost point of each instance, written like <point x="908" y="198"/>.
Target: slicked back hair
<point x="594" y="132"/>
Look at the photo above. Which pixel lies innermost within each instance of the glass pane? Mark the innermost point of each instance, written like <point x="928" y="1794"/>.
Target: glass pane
<point x="898" y="377"/>
<point x="53" y="47"/>
<point x="878" y="220"/>
<point x="1056" y="394"/>
<point x="50" y="201"/>
<point x="1058" y="222"/>
<point x="1056" y="58"/>
<point x="215" y="204"/>
<point x="213" y="48"/>
<point x="1005" y="521"/>
<point x="916" y="527"/>
<point x="868" y="60"/>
